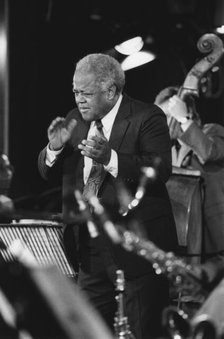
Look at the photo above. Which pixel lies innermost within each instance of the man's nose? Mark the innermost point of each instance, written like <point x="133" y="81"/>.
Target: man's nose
<point x="80" y="98"/>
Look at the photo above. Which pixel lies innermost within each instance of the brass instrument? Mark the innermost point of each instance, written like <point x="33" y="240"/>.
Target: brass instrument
<point x="180" y="327"/>
<point x="203" y="327"/>
<point x="126" y="200"/>
<point x="121" y="326"/>
<point x="184" y="276"/>
<point x="176" y="322"/>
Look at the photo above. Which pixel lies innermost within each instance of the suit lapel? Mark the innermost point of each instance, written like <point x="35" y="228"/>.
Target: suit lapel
<point x="120" y="125"/>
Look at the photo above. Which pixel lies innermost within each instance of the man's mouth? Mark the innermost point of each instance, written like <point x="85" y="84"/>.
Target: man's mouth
<point x="83" y="109"/>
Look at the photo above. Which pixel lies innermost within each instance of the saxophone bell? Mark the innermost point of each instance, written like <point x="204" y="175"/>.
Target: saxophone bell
<point x="176" y="323"/>
<point x="203" y="327"/>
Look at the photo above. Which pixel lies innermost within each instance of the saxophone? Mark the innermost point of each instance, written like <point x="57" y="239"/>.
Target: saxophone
<point x="183" y="276"/>
<point x="121" y="326"/>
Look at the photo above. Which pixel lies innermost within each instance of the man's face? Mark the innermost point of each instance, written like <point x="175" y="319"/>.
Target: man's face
<point x="91" y="101"/>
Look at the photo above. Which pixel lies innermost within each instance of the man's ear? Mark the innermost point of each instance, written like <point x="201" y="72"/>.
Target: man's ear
<point x="112" y="91"/>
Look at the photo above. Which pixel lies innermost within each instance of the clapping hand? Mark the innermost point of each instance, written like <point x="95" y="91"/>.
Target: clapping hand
<point x="96" y="148"/>
<point x="58" y="133"/>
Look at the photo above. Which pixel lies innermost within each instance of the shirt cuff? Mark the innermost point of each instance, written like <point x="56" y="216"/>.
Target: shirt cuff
<point x="185" y="125"/>
<point x="112" y="167"/>
<point x="51" y="156"/>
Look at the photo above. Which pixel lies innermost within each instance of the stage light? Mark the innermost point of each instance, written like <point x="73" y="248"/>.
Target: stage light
<point x="220" y="29"/>
<point x="137" y="59"/>
<point x="219" y="17"/>
<point x="130" y="46"/>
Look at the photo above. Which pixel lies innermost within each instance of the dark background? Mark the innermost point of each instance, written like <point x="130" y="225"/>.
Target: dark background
<point x="47" y="37"/>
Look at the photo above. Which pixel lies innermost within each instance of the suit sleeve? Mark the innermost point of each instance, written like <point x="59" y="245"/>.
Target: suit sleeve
<point x="207" y="142"/>
<point x="42" y="167"/>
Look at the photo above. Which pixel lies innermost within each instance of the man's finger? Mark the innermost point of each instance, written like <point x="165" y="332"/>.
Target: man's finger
<point x="71" y="125"/>
<point x="90" y="143"/>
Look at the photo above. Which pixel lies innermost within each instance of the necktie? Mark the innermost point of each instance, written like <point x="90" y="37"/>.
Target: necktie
<point x="97" y="172"/>
<point x="176" y="144"/>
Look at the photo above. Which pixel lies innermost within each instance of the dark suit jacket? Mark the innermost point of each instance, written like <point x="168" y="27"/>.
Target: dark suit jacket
<point x="140" y="137"/>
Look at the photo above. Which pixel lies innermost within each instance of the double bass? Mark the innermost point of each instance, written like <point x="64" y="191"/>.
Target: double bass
<point x="185" y="186"/>
<point x="211" y="45"/>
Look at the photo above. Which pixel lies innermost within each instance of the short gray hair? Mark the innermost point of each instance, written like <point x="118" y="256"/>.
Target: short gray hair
<point x="107" y="70"/>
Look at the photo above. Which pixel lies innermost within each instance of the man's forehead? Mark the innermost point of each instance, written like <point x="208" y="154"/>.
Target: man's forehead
<point x="84" y="80"/>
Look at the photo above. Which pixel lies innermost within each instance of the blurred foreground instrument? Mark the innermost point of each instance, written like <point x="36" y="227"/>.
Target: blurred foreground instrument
<point x="182" y="275"/>
<point x="126" y="200"/>
<point x="121" y="326"/>
<point x="40" y="303"/>
<point x="86" y="214"/>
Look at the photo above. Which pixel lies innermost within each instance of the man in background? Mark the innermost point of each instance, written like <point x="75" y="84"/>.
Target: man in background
<point x="199" y="147"/>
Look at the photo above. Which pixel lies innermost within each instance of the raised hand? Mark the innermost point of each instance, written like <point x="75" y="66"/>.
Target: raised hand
<point x="96" y="148"/>
<point x="58" y="133"/>
<point x="177" y="108"/>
